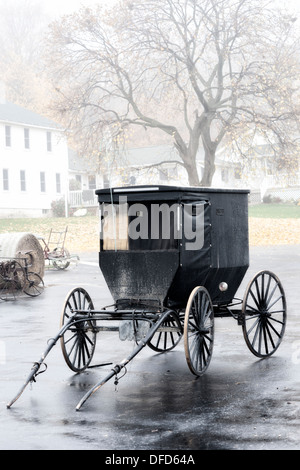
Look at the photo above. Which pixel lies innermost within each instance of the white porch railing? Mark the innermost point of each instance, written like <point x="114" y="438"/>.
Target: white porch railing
<point x="83" y="198"/>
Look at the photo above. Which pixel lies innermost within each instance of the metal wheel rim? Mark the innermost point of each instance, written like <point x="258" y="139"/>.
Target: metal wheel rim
<point x="79" y="341"/>
<point x="62" y="263"/>
<point x="199" y="331"/>
<point x="34" y="285"/>
<point x="264" y="314"/>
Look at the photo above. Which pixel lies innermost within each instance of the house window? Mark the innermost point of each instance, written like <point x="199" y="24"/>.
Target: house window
<point x="23" y="180"/>
<point x="8" y="136"/>
<point x="163" y="176"/>
<point x="5" y="179"/>
<point x="26" y="138"/>
<point x="224" y="173"/>
<point x="168" y="173"/>
<point x="269" y="168"/>
<point x="49" y="142"/>
<point x="58" y="185"/>
<point x="238" y="173"/>
<point x="78" y="178"/>
<point x="106" y="183"/>
<point x="92" y="182"/>
<point x="43" y="181"/>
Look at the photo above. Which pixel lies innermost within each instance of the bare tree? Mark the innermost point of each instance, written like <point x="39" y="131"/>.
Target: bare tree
<point x="22" y="27"/>
<point x="198" y="71"/>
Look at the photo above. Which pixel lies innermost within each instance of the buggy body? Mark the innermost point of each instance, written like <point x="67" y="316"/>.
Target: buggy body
<point x="191" y="237"/>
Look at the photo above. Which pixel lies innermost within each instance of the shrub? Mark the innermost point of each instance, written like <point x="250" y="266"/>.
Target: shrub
<point x="58" y="207"/>
<point x="267" y="199"/>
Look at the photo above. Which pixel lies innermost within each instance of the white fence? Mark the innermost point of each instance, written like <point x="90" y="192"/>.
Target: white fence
<point x="84" y="198"/>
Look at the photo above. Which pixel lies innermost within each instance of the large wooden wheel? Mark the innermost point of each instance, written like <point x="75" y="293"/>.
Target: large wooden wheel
<point x="199" y="331"/>
<point x="79" y="341"/>
<point x="264" y="314"/>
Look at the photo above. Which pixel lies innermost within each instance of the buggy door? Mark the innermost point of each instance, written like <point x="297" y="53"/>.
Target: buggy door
<point x="195" y="251"/>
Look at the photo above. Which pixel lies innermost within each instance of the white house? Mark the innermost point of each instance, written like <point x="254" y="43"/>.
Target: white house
<point x="141" y="165"/>
<point x="33" y="162"/>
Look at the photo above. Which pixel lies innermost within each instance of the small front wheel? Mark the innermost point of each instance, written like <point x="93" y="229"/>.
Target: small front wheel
<point x="79" y="340"/>
<point x="199" y="331"/>
<point x="264" y="314"/>
<point x="34" y="285"/>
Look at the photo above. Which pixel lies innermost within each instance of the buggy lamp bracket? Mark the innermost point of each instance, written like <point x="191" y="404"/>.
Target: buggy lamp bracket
<point x="223" y="286"/>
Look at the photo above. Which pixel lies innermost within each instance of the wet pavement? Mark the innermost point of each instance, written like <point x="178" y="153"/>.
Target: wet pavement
<point x="240" y="403"/>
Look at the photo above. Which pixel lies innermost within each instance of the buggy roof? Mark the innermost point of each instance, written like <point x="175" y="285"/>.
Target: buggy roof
<point x="157" y="192"/>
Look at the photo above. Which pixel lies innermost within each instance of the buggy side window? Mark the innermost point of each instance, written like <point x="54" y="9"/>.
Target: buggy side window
<point x="139" y="226"/>
<point x="113" y="227"/>
<point x="193" y="225"/>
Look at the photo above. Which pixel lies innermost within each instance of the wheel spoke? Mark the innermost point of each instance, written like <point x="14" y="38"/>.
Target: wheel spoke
<point x="271" y="295"/>
<point x="268" y="287"/>
<point x="257" y="331"/>
<point x="265" y="338"/>
<point x="253" y="325"/>
<point x="274" y="302"/>
<point x="269" y="335"/>
<point x="258" y="292"/>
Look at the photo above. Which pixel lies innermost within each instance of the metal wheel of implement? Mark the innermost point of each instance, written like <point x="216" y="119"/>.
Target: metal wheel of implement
<point x="79" y="341"/>
<point x="199" y="330"/>
<point x="34" y="285"/>
<point x="168" y="335"/>
<point x="264" y="314"/>
<point x="12" y="280"/>
<point x="63" y="262"/>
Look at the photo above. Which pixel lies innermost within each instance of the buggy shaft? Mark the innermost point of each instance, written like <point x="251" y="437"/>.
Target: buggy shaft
<point x="118" y="367"/>
<point x="36" y="365"/>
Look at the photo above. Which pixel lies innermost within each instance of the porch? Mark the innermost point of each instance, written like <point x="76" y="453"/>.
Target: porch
<point x="83" y="198"/>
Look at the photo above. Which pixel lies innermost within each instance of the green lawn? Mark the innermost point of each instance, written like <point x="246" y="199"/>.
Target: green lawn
<point x="275" y="211"/>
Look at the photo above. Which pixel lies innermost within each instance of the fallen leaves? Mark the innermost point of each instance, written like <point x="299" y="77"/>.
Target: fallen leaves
<point x="83" y="232"/>
<point x="273" y="231"/>
<point x="261" y="232"/>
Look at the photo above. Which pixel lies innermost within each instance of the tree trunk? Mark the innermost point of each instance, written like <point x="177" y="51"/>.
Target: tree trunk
<point x="192" y="172"/>
<point x="209" y="167"/>
<point x="190" y="164"/>
<point x="189" y="161"/>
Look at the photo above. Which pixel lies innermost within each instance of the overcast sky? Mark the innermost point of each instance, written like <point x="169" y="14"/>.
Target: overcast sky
<point x="67" y="6"/>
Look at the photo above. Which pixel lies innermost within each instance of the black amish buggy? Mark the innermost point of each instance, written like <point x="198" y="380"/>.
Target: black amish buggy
<point x="173" y="259"/>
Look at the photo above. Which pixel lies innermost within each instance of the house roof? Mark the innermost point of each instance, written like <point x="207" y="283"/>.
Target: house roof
<point x="80" y="164"/>
<point x="153" y="155"/>
<point x="15" y="114"/>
